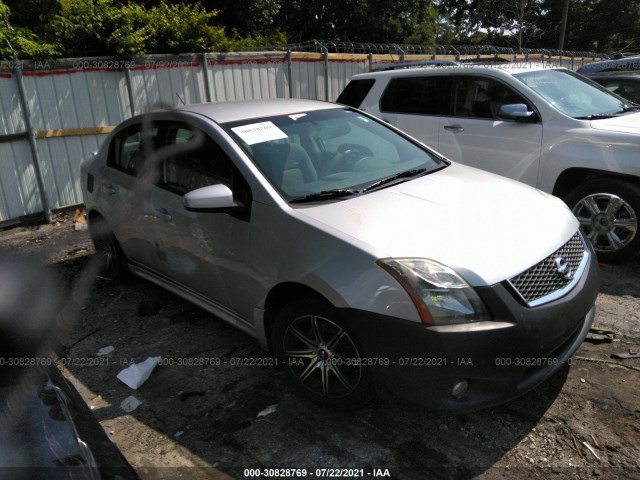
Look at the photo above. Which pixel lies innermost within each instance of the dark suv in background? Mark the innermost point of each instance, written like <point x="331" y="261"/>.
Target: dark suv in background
<point x="620" y="76"/>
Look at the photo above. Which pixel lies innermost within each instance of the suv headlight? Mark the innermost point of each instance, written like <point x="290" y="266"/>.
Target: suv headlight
<point x="441" y="296"/>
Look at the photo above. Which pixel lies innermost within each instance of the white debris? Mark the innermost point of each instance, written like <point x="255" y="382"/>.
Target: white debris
<point x="105" y="351"/>
<point x="130" y="403"/>
<point x="138" y="373"/>
<point x="590" y="448"/>
<point x="268" y="411"/>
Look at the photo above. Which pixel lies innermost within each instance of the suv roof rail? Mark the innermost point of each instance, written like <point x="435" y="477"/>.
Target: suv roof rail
<point x="423" y="64"/>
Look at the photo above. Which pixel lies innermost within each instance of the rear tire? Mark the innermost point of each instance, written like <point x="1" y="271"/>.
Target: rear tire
<point x="321" y="355"/>
<point x="608" y="211"/>
<point x="112" y="261"/>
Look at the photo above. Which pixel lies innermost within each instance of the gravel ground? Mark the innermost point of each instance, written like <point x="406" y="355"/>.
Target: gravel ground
<point x="200" y="420"/>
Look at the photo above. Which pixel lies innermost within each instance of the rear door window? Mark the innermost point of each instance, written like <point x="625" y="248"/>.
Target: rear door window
<point x="426" y="95"/>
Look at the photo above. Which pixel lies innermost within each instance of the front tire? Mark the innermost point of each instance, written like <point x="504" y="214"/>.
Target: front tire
<point x="608" y="211"/>
<point x="321" y="355"/>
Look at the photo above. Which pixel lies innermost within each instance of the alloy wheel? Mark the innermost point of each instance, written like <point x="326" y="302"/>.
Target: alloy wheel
<point x="322" y="356"/>
<point x="609" y="222"/>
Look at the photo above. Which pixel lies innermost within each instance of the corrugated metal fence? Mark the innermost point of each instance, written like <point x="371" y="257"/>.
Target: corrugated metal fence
<point x="55" y="114"/>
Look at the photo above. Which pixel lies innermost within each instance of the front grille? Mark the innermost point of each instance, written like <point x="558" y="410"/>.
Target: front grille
<point x="544" y="279"/>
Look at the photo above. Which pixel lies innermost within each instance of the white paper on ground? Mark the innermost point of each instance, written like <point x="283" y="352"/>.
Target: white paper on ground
<point x="105" y="351"/>
<point x="268" y="411"/>
<point x="130" y="403"/>
<point x="138" y="373"/>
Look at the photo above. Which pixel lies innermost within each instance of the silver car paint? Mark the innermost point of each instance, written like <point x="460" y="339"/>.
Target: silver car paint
<point x="465" y="218"/>
<point x="609" y="145"/>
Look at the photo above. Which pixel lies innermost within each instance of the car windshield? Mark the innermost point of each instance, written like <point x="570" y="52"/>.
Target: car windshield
<point x="573" y="94"/>
<point x="322" y="154"/>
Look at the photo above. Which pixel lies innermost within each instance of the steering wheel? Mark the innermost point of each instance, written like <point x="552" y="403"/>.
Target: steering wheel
<point x="347" y="156"/>
<point x="563" y="101"/>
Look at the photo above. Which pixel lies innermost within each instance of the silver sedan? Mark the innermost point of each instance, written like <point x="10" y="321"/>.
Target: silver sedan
<point x="365" y="261"/>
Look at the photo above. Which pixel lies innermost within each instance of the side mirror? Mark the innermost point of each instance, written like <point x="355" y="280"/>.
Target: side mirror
<point x="212" y="197"/>
<point x="517" y="112"/>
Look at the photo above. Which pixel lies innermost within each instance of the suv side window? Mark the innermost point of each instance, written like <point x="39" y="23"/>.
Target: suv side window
<point x="427" y="95"/>
<point x="481" y="97"/>
<point x="199" y="162"/>
<point x="355" y="92"/>
<point x="625" y="88"/>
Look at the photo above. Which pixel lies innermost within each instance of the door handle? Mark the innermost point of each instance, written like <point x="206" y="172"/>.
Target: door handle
<point x="455" y="128"/>
<point x="108" y="189"/>
<point x="164" y="214"/>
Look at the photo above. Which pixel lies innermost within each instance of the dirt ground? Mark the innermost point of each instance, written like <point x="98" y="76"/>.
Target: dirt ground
<point x="199" y="416"/>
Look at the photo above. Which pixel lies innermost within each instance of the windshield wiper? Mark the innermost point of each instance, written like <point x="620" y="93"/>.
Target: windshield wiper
<point x="597" y="116"/>
<point x="628" y="108"/>
<point x="346" y="192"/>
<point x="326" y="195"/>
<point x="391" y="178"/>
<point x="631" y="107"/>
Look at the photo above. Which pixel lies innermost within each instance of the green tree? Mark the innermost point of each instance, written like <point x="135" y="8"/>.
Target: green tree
<point x="381" y="21"/>
<point x="463" y="18"/>
<point x="249" y="18"/>
<point x="594" y="25"/>
<point x="164" y="28"/>
<point x="81" y="27"/>
<point x="406" y="21"/>
<point x="501" y="22"/>
<point x="20" y="41"/>
<point x="514" y="20"/>
<point x="106" y="27"/>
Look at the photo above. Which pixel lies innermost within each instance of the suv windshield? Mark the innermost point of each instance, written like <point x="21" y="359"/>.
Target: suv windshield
<point x="573" y="94"/>
<point x="323" y="154"/>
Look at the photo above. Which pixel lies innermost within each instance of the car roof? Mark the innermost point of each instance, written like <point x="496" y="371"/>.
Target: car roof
<point x="507" y="68"/>
<point x="619" y="64"/>
<point x="616" y="74"/>
<point x="235" y="111"/>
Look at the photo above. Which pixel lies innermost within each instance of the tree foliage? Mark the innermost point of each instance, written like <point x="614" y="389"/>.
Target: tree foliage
<point x="71" y="28"/>
<point x="99" y="27"/>
<point x="80" y="28"/>
<point x="20" y="41"/>
<point x="593" y="25"/>
<point x="381" y="21"/>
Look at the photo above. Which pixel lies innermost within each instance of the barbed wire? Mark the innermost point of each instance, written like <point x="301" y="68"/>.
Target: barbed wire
<point x="434" y="50"/>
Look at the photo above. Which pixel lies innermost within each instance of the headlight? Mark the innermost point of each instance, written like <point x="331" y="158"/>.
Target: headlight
<point x="441" y="296"/>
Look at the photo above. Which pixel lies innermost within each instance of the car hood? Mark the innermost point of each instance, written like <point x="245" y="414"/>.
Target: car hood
<point x="624" y="124"/>
<point x="488" y="228"/>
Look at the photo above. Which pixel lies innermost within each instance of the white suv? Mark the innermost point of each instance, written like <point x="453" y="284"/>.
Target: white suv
<point x="547" y="127"/>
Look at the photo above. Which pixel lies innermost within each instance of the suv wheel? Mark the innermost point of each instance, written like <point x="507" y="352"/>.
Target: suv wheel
<point x="608" y="211"/>
<point x="321" y="355"/>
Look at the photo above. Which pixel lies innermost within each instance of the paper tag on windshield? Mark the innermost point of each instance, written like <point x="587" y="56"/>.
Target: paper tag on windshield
<point x="259" y="132"/>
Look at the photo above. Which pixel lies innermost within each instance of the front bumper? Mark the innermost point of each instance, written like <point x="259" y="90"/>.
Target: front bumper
<point x="500" y="360"/>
